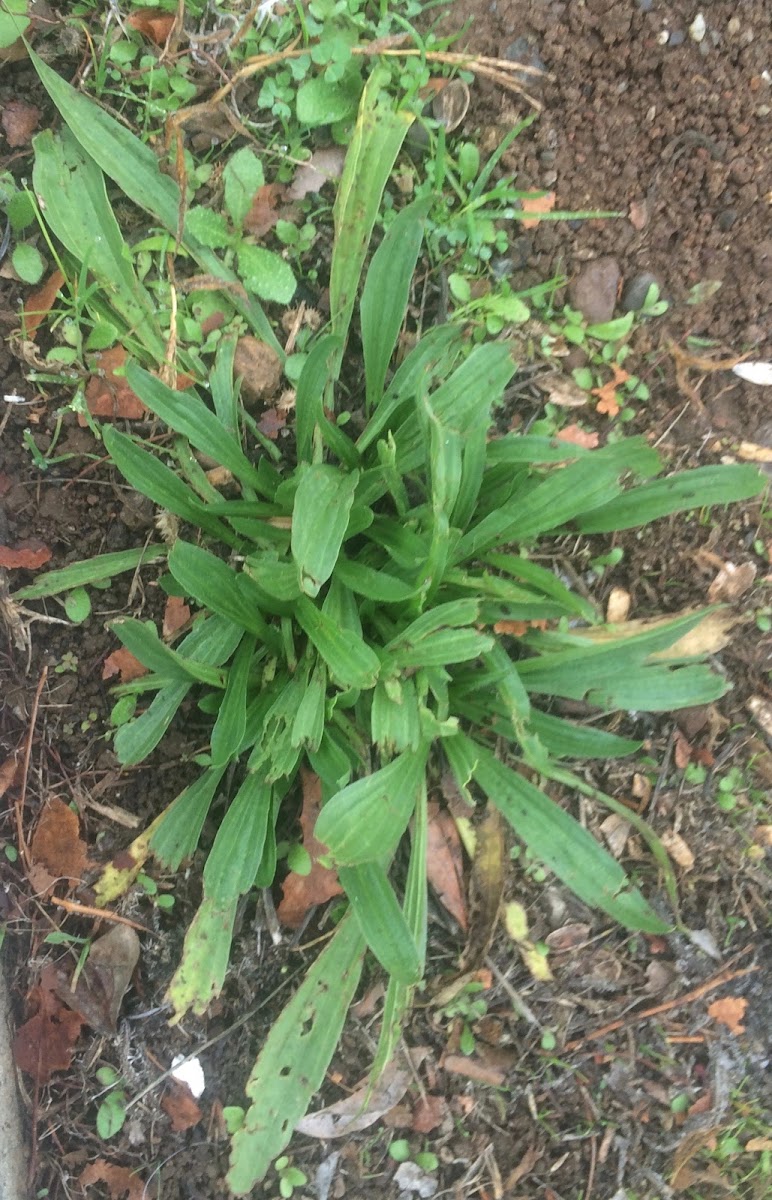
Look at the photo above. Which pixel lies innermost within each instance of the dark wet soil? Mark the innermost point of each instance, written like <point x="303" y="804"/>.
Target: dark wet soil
<point x="681" y="132"/>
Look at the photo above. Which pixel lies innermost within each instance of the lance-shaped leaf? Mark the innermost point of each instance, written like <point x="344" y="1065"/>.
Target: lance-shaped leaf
<point x="217" y="587"/>
<point x="382" y="921"/>
<point x="350" y="661"/>
<point x="365" y="820"/>
<point x="699" y="488"/>
<point x="231" y="723"/>
<point x="320" y="517"/>
<point x="144" y="643"/>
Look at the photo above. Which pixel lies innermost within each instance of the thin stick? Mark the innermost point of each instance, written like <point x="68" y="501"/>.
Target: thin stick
<point x="104" y="914"/>
<point x="725" y="976"/>
<point x="23" y="847"/>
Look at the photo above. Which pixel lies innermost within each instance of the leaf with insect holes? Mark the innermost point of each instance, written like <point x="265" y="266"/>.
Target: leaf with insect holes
<point x="320" y="518"/>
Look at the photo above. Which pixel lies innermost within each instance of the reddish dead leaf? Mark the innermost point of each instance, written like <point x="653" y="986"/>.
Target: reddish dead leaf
<point x="568" y="937"/>
<point x="523" y="1168"/>
<point x="639" y="214"/>
<point x="537" y="204"/>
<point x="272" y="422"/>
<point x="19" y="120"/>
<point x="264" y="212"/>
<point x="682" y="750"/>
<point x="301" y="892"/>
<point x="608" y="401"/>
<point x="46" y="1042"/>
<point x="579" y="437"/>
<point x="180" y="1106"/>
<point x="57" y="846"/>
<point x="472" y="1068"/>
<point x="6" y="483"/>
<point x="27" y="555"/>
<point x="9" y="772"/>
<point x="120" y="1181"/>
<point x="38" y="305"/>
<point x="429" y="1113"/>
<point x="445" y="864"/>
<point x="730" y="1012"/>
<point x="108" y="394"/>
<point x="152" y="24"/>
<point x="123" y="663"/>
<point x="176" y="614"/>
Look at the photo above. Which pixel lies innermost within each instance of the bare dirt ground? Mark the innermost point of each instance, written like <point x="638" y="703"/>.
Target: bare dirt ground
<point x="677" y="132"/>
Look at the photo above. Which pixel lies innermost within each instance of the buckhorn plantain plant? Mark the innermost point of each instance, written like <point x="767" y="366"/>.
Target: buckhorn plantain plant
<point x="346" y="613"/>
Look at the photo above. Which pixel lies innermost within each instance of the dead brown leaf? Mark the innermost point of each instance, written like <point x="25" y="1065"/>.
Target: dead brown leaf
<point x="264" y="212"/>
<point x="682" y="750"/>
<point x="57" y="850"/>
<point x="19" y="120"/>
<point x="27" y="555"/>
<point x="472" y="1068"/>
<point x="324" y="166"/>
<point x="616" y="831"/>
<point x="608" y="401"/>
<point x="104" y="980"/>
<point x="302" y="892"/>
<point x="364" y="1106"/>
<point x="272" y="422"/>
<point x="108" y="394"/>
<point x="119" y="1181"/>
<point x="180" y="1106"/>
<point x="537" y="204"/>
<point x="445" y="863"/>
<point x="688" y="1148"/>
<point x="564" y="392"/>
<point x="176" y="614"/>
<point x="576" y="436"/>
<point x="429" y="1113"/>
<point x="523" y="1168"/>
<point x="152" y="24"/>
<point x="731" y="583"/>
<point x="486" y="885"/>
<point x="46" y="1042"/>
<point x="260" y="368"/>
<point x="123" y="663"/>
<point x="9" y="773"/>
<point x="639" y="214"/>
<point x="730" y="1012"/>
<point x="38" y="305"/>
<point x="758" y="1145"/>
<point x="568" y="937"/>
<point x="678" y="849"/>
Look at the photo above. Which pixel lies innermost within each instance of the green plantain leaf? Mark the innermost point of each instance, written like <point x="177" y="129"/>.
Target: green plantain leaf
<point x="440" y="648"/>
<point x="320" y="517"/>
<point x="385" y="294"/>
<point x="216" y="586"/>
<point x="295" y="1057"/>
<point x="176" y="835"/>
<point x="372" y="584"/>
<point x="142" y="640"/>
<point x="366" y="820"/>
<point x="382" y="921"/>
<point x="699" y="488"/>
<point x="350" y="661"/>
<point x="231" y="723"/>
<point x="91" y="570"/>
<point x="135" y="740"/>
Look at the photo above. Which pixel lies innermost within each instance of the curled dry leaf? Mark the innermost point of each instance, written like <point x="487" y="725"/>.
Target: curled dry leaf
<point x="104" y="980"/>
<point x="264" y="212"/>
<point x="260" y="368"/>
<point x="472" y="1068"/>
<point x="608" y="401"/>
<point x="180" y="1106"/>
<point x="616" y="831"/>
<point x="618" y="606"/>
<point x="678" y="849"/>
<point x="732" y="582"/>
<point x="729" y="1011"/>
<point x="568" y="937"/>
<point x="38" y="305"/>
<point x="364" y="1106"/>
<point x="152" y="24"/>
<point x="108" y="394"/>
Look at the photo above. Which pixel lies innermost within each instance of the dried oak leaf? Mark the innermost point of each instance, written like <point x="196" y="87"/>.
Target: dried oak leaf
<point x="301" y="892"/>
<point x="730" y="1012"/>
<point x="123" y="663"/>
<point x="120" y="1181"/>
<point x="19" y="120"/>
<point x="445" y="863"/>
<point x="57" y="850"/>
<point x="46" y="1042"/>
<point x="27" y="555"/>
<point x="181" y="1108"/>
<point x="537" y="204"/>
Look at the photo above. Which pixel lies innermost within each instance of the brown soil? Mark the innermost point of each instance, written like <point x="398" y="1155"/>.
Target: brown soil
<point x="621" y="112"/>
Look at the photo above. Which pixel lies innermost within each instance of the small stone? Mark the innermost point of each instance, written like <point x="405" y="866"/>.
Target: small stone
<point x="663" y="37"/>
<point x="677" y="38"/>
<point x="726" y="219"/>
<point x="733" y="26"/>
<point x="636" y="290"/>
<point x="698" y="28"/>
<point x="523" y="50"/>
<point x="645" y="5"/>
<point x="741" y="170"/>
<point x="594" y="290"/>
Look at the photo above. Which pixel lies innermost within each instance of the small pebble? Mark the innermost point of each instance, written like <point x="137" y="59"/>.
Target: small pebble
<point x="733" y="26"/>
<point x="645" y="5"/>
<point x="594" y="291"/>
<point x="698" y="28"/>
<point x="523" y="50"/>
<point x="677" y="38"/>
<point x="726" y="219"/>
<point x="636" y="290"/>
<point x="663" y="37"/>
